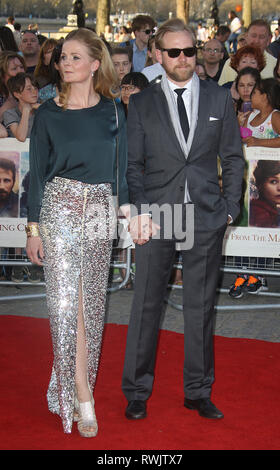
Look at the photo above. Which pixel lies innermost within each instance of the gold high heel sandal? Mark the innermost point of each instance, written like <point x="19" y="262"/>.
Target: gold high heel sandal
<point x="87" y="419"/>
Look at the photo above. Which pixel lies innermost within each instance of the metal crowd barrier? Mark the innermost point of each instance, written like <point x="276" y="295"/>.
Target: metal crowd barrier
<point x="122" y="262"/>
<point x="265" y="267"/>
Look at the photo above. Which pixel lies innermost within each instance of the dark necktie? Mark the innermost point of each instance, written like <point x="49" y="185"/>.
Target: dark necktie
<point x="182" y="112"/>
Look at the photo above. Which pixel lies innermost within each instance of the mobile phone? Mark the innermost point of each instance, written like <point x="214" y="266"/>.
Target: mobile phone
<point x="246" y="106"/>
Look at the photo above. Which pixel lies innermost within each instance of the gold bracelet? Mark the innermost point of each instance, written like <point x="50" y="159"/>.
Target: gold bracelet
<point x="32" y="231"/>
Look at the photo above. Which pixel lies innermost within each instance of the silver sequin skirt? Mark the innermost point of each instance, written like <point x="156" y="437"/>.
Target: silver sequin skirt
<point x="76" y="225"/>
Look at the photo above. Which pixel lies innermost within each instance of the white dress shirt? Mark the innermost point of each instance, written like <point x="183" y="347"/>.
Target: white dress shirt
<point x="186" y="95"/>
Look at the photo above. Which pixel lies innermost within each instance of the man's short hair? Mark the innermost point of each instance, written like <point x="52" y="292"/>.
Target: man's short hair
<point x="213" y="39"/>
<point x="140" y="21"/>
<point x="173" y="26"/>
<point x="262" y="23"/>
<point x="8" y="165"/>
<point x="123" y="51"/>
<point x="223" y="29"/>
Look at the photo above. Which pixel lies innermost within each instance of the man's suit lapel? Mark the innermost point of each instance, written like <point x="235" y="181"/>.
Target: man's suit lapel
<point x="164" y="116"/>
<point x="202" y="119"/>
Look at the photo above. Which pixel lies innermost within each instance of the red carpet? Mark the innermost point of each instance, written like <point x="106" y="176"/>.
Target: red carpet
<point x="246" y="390"/>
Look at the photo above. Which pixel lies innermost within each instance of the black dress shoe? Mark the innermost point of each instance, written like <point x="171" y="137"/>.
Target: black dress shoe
<point x="204" y="407"/>
<point x="136" y="409"/>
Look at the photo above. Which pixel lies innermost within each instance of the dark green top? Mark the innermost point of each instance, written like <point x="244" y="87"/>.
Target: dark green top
<point x="77" y="144"/>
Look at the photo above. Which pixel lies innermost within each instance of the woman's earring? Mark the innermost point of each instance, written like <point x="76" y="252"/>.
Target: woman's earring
<point x="92" y="74"/>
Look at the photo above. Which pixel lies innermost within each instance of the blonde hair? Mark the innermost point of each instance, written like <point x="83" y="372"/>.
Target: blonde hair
<point x="174" y="25"/>
<point x="105" y="79"/>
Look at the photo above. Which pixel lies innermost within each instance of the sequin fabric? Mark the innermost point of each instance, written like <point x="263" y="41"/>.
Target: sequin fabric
<point x="76" y="225"/>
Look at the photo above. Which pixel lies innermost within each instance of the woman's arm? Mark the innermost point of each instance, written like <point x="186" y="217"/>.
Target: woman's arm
<point x="271" y="143"/>
<point x="39" y="155"/>
<point x="255" y="142"/>
<point x="275" y="121"/>
<point x="34" y="245"/>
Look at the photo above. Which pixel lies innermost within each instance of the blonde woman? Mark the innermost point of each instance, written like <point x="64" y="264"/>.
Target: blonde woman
<point x="72" y="178"/>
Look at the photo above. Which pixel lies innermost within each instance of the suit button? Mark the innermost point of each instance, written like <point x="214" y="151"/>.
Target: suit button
<point x="182" y="188"/>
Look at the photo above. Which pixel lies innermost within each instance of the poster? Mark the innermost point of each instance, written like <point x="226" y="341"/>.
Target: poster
<point x="14" y="175"/>
<point x="257" y="230"/>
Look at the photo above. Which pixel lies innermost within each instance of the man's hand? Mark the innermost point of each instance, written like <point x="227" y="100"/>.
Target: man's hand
<point x="142" y="228"/>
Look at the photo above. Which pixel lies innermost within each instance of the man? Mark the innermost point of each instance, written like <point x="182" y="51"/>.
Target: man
<point x="30" y="48"/>
<point x="169" y="169"/>
<point x="8" y="199"/>
<point x="142" y="27"/>
<point x="122" y="60"/>
<point x="10" y="23"/>
<point x="258" y="35"/>
<point x="212" y="53"/>
<point x="274" y="47"/>
<point x="201" y="34"/>
<point x="222" y="35"/>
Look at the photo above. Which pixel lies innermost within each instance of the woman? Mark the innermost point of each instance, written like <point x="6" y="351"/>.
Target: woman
<point x="264" y="120"/>
<point x="235" y="29"/>
<point x="72" y="168"/>
<point x="11" y="64"/>
<point x="247" y="56"/>
<point x="132" y="83"/>
<point x="42" y="70"/>
<point x="52" y="89"/>
<point x="245" y="82"/>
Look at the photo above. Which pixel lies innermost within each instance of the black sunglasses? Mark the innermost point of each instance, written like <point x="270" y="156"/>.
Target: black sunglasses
<point x="148" y="31"/>
<point x="32" y="31"/>
<point x="188" y="52"/>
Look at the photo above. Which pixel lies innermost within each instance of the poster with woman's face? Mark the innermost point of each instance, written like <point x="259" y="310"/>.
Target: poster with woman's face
<point x="256" y="231"/>
<point x="264" y="203"/>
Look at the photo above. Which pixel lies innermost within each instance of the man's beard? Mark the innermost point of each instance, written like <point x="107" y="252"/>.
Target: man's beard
<point x="29" y="53"/>
<point x="180" y="74"/>
<point x="3" y="195"/>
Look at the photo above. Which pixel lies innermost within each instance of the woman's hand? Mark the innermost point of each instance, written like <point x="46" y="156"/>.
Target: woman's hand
<point x="34" y="250"/>
<point x="252" y="141"/>
<point x="242" y="118"/>
<point x="142" y="228"/>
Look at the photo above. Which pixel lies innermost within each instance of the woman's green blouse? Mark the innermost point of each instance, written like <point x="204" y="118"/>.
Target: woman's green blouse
<point x="76" y="144"/>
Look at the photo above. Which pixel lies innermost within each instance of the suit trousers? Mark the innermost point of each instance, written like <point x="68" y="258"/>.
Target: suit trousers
<point x="154" y="262"/>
